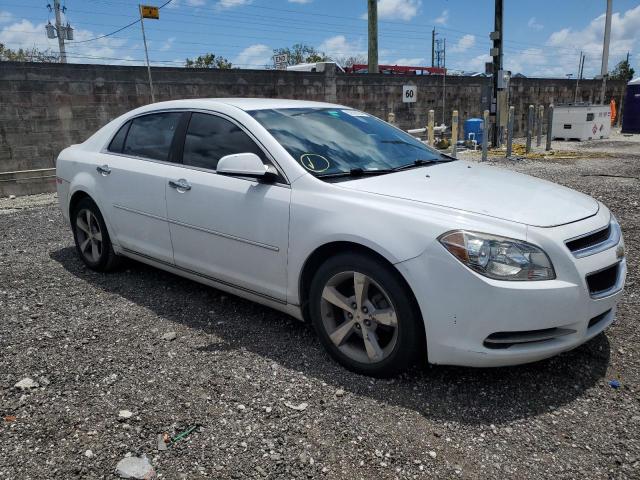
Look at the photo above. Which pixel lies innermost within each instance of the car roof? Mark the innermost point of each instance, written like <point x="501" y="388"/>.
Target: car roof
<point x="242" y="103"/>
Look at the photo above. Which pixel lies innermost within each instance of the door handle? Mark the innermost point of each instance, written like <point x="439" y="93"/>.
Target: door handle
<point x="104" y="170"/>
<point x="180" y="185"/>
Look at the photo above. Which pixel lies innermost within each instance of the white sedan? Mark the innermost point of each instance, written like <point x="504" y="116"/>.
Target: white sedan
<point x="394" y="252"/>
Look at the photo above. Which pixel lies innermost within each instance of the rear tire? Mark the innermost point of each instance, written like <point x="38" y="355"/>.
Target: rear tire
<point x="365" y="315"/>
<point x="93" y="243"/>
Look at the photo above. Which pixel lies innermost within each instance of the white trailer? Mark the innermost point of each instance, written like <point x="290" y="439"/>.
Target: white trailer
<point x="581" y="122"/>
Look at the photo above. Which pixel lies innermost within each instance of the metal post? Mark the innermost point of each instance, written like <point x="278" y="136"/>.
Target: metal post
<point x="539" y="125"/>
<point x="391" y="118"/>
<point x="430" y="128"/>
<point x="512" y="112"/>
<point x="146" y="54"/>
<point x="529" y="128"/>
<point x="549" y="127"/>
<point x="605" y="51"/>
<point x="373" y="36"/>
<point x="454" y="133"/>
<point x="485" y="134"/>
<point x="496" y="53"/>
<point x="60" y="32"/>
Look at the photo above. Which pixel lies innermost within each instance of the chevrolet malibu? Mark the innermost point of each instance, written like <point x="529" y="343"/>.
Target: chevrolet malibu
<point x="394" y="252"/>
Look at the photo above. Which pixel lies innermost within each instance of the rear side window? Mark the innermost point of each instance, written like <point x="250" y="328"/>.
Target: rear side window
<point x="209" y="138"/>
<point x="150" y="136"/>
<point x="118" y="141"/>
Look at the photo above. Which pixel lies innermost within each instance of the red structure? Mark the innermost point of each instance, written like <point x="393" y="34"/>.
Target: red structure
<point x="398" y="70"/>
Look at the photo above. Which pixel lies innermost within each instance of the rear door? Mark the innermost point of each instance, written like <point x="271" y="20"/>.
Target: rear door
<point x="233" y="230"/>
<point x="133" y="180"/>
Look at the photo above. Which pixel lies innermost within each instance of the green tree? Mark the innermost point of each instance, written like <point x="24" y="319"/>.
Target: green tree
<point x="301" y="53"/>
<point x="623" y="71"/>
<point x="27" y="55"/>
<point x="208" y="60"/>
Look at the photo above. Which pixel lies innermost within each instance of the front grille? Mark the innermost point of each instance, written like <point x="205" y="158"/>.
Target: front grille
<point x="590" y="240"/>
<point x="598" y="318"/>
<point x="499" y="340"/>
<point x="602" y="281"/>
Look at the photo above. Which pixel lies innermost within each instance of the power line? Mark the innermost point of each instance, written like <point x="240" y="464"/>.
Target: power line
<point x="120" y="29"/>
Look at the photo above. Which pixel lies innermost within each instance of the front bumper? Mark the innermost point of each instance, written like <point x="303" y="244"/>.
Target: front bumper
<point x="462" y="309"/>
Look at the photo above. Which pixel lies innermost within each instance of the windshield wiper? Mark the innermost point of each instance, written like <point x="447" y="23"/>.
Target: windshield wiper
<point x="357" y="172"/>
<point x="418" y="163"/>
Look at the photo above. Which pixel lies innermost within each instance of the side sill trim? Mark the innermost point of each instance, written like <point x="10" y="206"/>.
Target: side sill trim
<point x="207" y="277"/>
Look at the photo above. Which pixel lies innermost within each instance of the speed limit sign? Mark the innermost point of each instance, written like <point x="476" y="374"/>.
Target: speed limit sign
<point x="409" y="93"/>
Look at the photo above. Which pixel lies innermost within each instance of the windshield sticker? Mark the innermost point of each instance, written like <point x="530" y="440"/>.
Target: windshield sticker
<point x="333" y="113"/>
<point x="356" y="113"/>
<point x="314" y="162"/>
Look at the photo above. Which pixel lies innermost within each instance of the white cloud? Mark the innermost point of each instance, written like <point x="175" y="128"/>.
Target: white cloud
<point x="168" y="44"/>
<point x="396" y="9"/>
<point x="464" y="44"/>
<point x="300" y="1"/>
<point x="196" y="3"/>
<point x="561" y="54"/>
<point x="533" y="24"/>
<point x="254" y="56"/>
<point x="412" y="62"/>
<point x="26" y="35"/>
<point x="5" y="17"/>
<point x="225" y="4"/>
<point x="339" y="46"/>
<point x="443" y="18"/>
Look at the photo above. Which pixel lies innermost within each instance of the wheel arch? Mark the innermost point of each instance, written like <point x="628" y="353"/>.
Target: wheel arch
<point x="328" y="250"/>
<point x="75" y="199"/>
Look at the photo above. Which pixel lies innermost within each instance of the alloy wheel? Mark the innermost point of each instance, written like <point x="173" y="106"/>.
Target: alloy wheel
<point x="89" y="235"/>
<point x="359" y="317"/>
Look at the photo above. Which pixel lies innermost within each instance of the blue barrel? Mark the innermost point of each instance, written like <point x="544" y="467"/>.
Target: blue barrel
<point x="474" y="126"/>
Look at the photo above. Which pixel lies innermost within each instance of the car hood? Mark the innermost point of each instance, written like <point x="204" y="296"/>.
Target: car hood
<point x="483" y="190"/>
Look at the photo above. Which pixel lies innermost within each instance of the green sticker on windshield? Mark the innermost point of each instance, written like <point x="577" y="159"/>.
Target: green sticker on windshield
<point x="314" y="163"/>
<point x="334" y="113"/>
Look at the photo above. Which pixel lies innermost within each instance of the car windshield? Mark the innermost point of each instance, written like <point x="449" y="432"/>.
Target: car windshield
<point x="329" y="142"/>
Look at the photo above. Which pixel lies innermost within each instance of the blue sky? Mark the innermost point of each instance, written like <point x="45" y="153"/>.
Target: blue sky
<point x="542" y="38"/>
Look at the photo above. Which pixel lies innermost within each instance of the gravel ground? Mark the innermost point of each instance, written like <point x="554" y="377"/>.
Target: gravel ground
<point x="268" y="402"/>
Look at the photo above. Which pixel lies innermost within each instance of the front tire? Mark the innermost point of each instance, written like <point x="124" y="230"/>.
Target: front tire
<point x="93" y="243"/>
<point x="365" y="315"/>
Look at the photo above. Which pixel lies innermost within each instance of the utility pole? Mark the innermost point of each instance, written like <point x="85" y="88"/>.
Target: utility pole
<point x="146" y="54"/>
<point x="579" y="76"/>
<point x="496" y="53"/>
<point x="373" y="36"/>
<point x="433" y="47"/>
<point x="61" y="31"/>
<point x="605" y="50"/>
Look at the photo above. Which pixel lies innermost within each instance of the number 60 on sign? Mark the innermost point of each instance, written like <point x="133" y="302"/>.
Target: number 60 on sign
<point x="409" y="93"/>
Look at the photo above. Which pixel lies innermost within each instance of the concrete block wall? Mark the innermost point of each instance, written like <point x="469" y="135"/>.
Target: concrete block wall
<point x="45" y="107"/>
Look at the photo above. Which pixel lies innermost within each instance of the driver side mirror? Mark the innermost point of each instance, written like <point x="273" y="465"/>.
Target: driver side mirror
<point x="246" y="165"/>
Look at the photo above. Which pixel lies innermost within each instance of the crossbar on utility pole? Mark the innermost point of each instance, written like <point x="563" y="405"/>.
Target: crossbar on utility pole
<point x="373" y="36"/>
<point x="146" y="54"/>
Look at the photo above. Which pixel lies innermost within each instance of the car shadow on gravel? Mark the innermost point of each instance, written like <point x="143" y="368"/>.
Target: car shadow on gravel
<point x="466" y="395"/>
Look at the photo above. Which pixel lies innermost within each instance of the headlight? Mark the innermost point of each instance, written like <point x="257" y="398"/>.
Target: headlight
<point x="498" y="257"/>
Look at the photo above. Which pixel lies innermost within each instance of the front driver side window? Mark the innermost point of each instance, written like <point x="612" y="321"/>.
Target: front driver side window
<point x="209" y="138"/>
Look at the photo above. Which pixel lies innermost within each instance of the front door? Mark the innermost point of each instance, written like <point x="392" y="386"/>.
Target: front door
<point x="232" y="230"/>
